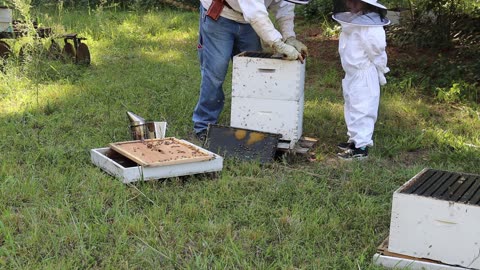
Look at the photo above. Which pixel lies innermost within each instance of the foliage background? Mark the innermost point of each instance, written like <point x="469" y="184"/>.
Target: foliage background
<point x="58" y="211"/>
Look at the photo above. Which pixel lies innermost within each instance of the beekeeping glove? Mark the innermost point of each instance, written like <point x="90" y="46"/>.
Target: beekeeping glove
<point x="289" y="52"/>
<point x="297" y="45"/>
<point x="381" y="78"/>
<point x="381" y="74"/>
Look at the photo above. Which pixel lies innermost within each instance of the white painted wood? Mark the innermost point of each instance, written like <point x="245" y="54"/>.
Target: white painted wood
<point x="138" y="173"/>
<point x="403" y="263"/>
<point x="267" y="78"/>
<point x="444" y="231"/>
<point x="5" y="19"/>
<point x="275" y="116"/>
<point x="285" y="145"/>
<point x="268" y="96"/>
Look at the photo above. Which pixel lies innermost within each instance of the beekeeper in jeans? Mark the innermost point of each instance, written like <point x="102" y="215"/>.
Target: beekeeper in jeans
<point x="228" y="28"/>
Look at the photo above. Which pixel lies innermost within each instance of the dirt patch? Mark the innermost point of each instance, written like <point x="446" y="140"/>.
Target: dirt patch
<point x="319" y="46"/>
<point x="412" y="157"/>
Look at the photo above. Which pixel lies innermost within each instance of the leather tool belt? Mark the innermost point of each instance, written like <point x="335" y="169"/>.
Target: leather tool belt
<point x="216" y="8"/>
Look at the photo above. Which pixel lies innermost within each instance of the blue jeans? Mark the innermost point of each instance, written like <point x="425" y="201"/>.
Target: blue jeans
<point x="218" y="42"/>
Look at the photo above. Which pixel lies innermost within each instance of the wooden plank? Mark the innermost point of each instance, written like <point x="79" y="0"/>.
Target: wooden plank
<point x="458" y="189"/>
<point x="161" y="152"/>
<point x="383" y="249"/>
<point x="441" y="185"/>
<point x="471" y="191"/>
<point x="430" y="182"/>
<point x="307" y="142"/>
<point x="419" y="181"/>
<point x="447" y="186"/>
<point x="392" y="262"/>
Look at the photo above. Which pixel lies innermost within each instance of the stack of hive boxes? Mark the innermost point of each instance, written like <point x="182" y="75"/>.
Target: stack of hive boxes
<point x="268" y="95"/>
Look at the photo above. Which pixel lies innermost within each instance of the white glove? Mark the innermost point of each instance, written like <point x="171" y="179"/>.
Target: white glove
<point x="289" y="52"/>
<point x="381" y="78"/>
<point x="298" y="45"/>
<point x="381" y="75"/>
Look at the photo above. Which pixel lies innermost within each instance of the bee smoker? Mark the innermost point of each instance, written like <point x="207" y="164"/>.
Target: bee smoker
<point x="141" y="129"/>
<point x="137" y="126"/>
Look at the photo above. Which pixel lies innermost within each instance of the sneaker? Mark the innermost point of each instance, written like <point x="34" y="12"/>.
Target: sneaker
<point x="202" y="135"/>
<point x="345" y="145"/>
<point x="354" y="153"/>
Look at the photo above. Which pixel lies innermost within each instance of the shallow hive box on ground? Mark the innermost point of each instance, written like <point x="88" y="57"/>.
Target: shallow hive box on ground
<point x="155" y="159"/>
<point x="393" y="260"/>
<point x="436" y="216"/>
<point x="268" y="95"/>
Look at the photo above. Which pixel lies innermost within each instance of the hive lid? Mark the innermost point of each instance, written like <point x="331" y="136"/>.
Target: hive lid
<point x="161" y="152"/>
<point x="242" y="144"/>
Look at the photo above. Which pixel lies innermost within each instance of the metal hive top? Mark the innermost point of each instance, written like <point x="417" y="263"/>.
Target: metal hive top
<point x="448" y="186"/>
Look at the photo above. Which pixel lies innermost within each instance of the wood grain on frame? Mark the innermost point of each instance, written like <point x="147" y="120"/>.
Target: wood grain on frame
<point x="161" y="152"/>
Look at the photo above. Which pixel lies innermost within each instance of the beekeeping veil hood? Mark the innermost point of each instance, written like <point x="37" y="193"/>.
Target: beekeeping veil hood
<point x="369" y="19"/>
<point x="299" y="2"/>
<point x="374" y="3"/>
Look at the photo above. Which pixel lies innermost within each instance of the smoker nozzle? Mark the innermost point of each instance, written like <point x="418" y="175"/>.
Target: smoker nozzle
<point x="135" y="119"/>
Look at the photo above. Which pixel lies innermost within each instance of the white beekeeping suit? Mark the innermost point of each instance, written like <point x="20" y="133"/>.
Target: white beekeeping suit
<point x="362" y="52"/>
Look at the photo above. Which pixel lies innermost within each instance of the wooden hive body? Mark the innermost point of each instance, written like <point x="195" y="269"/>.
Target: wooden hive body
<point x="268" y="95"/>
<point x="436" y="215"/>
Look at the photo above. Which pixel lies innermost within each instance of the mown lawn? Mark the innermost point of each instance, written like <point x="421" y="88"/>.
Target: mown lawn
<point x="58" y="211"/>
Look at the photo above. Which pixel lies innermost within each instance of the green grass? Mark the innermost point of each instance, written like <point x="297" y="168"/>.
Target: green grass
<point x="58" y="211"/>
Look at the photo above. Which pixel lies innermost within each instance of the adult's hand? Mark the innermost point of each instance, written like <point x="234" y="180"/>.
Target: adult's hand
<point x="292" y="41"/>
<point x="289" y="52"/>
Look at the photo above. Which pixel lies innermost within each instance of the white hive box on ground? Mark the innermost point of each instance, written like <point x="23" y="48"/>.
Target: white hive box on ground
<point x="268" y="95"/>
<point x="436" y="216"/>
<point x="130" y="163"/>
<point x="5" y="19"/>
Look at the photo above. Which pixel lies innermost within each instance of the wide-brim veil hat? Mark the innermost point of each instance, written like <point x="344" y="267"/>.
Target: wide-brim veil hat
<point x="299" y="2"/>
<point x="374" y="3"/>
<point x="348" y="18"/>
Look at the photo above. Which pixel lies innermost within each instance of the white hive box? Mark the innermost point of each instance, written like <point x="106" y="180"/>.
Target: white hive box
<point x="436" y="216"/>
<point x="128" y="170"/>
<point x="5" y="19"/>
<point x="268" y="95"/>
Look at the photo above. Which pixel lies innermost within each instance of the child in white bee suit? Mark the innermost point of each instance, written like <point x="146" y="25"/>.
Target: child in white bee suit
<point x="362" y="45"/>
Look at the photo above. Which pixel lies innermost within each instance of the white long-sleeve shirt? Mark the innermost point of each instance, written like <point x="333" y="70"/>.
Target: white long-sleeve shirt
<point x="255" y="12"/>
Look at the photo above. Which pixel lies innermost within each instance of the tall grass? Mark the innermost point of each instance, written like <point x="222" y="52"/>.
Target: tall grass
<point x="59" y="211"/>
